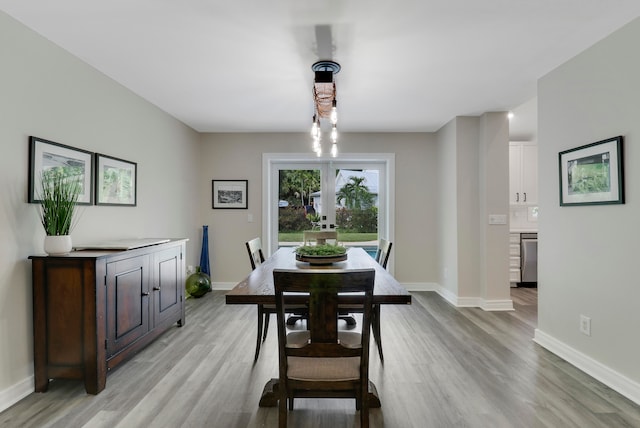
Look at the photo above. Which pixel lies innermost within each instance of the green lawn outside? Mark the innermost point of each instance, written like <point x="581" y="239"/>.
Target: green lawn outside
<point x="342" y="237"/>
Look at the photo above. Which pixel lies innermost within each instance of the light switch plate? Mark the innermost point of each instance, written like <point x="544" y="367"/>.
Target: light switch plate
<point x="497" y="219"/>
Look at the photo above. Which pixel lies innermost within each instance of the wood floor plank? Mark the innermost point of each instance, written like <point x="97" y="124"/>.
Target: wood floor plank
<point x="444" y="367"/>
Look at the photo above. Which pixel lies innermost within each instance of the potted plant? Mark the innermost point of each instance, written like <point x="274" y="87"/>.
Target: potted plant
<point x="59" y="196"/>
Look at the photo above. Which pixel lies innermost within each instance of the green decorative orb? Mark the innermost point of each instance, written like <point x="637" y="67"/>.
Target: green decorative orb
<point x="198" y="283"/>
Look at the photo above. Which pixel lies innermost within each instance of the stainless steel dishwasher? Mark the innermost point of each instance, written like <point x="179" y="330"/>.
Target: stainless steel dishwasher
<point x="529" y="249"/>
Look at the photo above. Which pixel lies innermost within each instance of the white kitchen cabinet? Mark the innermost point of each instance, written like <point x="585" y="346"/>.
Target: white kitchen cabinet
<point x="514" y="259"/>
<point x="523" y="173"/>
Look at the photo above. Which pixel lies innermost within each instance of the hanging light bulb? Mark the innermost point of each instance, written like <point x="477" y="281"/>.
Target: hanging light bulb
<point x="315" y="127"/>
<point x="334" y="150"/>
<point x="334" y="134"/>
<point x="334" y="112"/>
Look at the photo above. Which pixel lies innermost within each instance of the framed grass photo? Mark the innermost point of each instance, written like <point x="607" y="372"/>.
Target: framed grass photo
<point x="230" y="194"/>
<point x="116" y="181"/>
<point x="592" y="174"/>
<point x="47" y="157"/>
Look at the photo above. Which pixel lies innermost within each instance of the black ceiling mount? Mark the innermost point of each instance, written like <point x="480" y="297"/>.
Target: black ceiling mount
<point x="326" y="65"/>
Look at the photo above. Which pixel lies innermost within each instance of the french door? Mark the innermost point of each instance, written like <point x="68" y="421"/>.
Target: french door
<point x="348" y="194"/>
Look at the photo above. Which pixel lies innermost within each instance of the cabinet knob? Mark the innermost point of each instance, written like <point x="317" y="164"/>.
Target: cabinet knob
<point x="145" y="293"/>
<point x="525" y="196"/>
<point x="517" y="197"/>
<point x="156" y="288"/>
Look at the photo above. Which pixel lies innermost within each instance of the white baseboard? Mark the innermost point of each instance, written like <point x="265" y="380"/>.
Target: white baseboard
<point x="593" y="368"/>
<point x="15" y="393"/>
<point x="223" y="285"/>
<point x="474" y="302"/>
<point x="497" y="305"/>
<point x="420" y="286"/>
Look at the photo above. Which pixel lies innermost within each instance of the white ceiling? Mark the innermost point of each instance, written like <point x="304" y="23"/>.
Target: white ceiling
<point x="245" y="65"/>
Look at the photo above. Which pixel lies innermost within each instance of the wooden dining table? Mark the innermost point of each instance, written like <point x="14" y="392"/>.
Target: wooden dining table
<point x="257" y="288"/>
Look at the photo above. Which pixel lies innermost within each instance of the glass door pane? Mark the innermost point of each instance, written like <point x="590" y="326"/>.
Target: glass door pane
<point x="299" y="202"/>
<point x="357" y="205"/>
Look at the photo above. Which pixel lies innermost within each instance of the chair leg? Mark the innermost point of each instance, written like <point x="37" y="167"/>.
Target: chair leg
<point x="375" y="325"/>
<point x="259" y="336"/>
<point x="364" y="406"/>
<point x="282" y="410"/>
<point x="267" y="316"/>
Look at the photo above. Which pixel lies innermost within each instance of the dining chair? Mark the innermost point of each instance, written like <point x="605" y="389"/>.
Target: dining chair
<point x="383" y="252"/>
<point x="256" y="257"/>
<point x="382" y="257"/>
<point x="329" y="363"/>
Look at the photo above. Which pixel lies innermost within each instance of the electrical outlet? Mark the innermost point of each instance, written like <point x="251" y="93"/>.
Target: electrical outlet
<point x="585" y="325"/>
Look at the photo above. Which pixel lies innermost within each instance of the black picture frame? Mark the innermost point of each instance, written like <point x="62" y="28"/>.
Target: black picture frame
<point x="46" y="154"/>
<point x="116" y="181"/>
<point x="592" y="174"/>
<point x="229" y="194"/>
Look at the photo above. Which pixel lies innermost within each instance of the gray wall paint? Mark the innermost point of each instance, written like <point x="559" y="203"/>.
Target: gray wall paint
<point x="588" y="255"/>
<point x="239" y="156"/>
<point x="48" y="93"/>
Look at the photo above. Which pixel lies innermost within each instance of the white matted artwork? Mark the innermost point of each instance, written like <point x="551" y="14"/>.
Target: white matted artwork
<point x="229" y="194"/>
<point x="592" y="174"/>
<point x="116" y="181"/>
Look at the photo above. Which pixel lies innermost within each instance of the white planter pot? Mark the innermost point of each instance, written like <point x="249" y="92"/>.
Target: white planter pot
<point x="57" y="245"/>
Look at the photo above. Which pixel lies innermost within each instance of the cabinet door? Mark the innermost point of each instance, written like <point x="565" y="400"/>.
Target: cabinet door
<point x="530" y="173"/>
<point x="127" y="302"/>
<point x="515" y="173"/>
<point x="167" y="285"/>
<point x="523" y="173"/>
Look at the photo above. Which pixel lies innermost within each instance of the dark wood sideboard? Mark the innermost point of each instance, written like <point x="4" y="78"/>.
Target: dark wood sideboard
<point x="93" y="309"/>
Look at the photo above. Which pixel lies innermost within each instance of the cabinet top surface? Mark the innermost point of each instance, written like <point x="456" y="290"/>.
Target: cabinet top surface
<point x="108" y="248"/>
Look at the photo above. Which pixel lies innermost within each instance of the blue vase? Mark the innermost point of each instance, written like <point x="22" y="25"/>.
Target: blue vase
<point x="204" y="254"/>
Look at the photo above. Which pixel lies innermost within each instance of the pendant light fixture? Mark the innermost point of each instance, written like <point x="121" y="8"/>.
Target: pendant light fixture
<point x="325" y="104"/>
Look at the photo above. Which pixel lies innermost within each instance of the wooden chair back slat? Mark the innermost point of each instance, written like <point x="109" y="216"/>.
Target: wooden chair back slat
<point x="254" y="248"/>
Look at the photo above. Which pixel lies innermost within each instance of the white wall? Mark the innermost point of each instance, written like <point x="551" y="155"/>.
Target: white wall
<point x="50" y="94"/>
<point x="473" y="172"/>
<point x="493" y="156"/>
<point x="447" y="203"/>
<point x="239" y="156"/>
<point x="588" y="254"/>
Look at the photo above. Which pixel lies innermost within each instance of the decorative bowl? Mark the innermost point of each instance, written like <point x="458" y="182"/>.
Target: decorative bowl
<point x="321" y="260"/>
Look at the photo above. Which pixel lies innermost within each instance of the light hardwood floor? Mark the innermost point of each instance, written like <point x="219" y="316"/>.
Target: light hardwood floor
<point x="444" y="367"/>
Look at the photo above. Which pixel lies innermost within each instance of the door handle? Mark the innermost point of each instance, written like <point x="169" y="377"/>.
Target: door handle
<point x="145" y="293"/>
<point x="517" y="197"/>
<point x="525" y="196"/>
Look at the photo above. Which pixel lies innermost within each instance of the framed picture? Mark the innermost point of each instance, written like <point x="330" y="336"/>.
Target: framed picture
<point x="116" y="181"/>
<point x="592" y="174"/>
<point x="230" y="194"/>
<point x="46" y="157"/>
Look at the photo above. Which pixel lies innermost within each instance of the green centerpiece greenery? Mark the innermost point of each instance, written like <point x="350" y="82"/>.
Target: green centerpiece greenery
<point x="59" y="197"/>
<point x="321" y="250"/>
